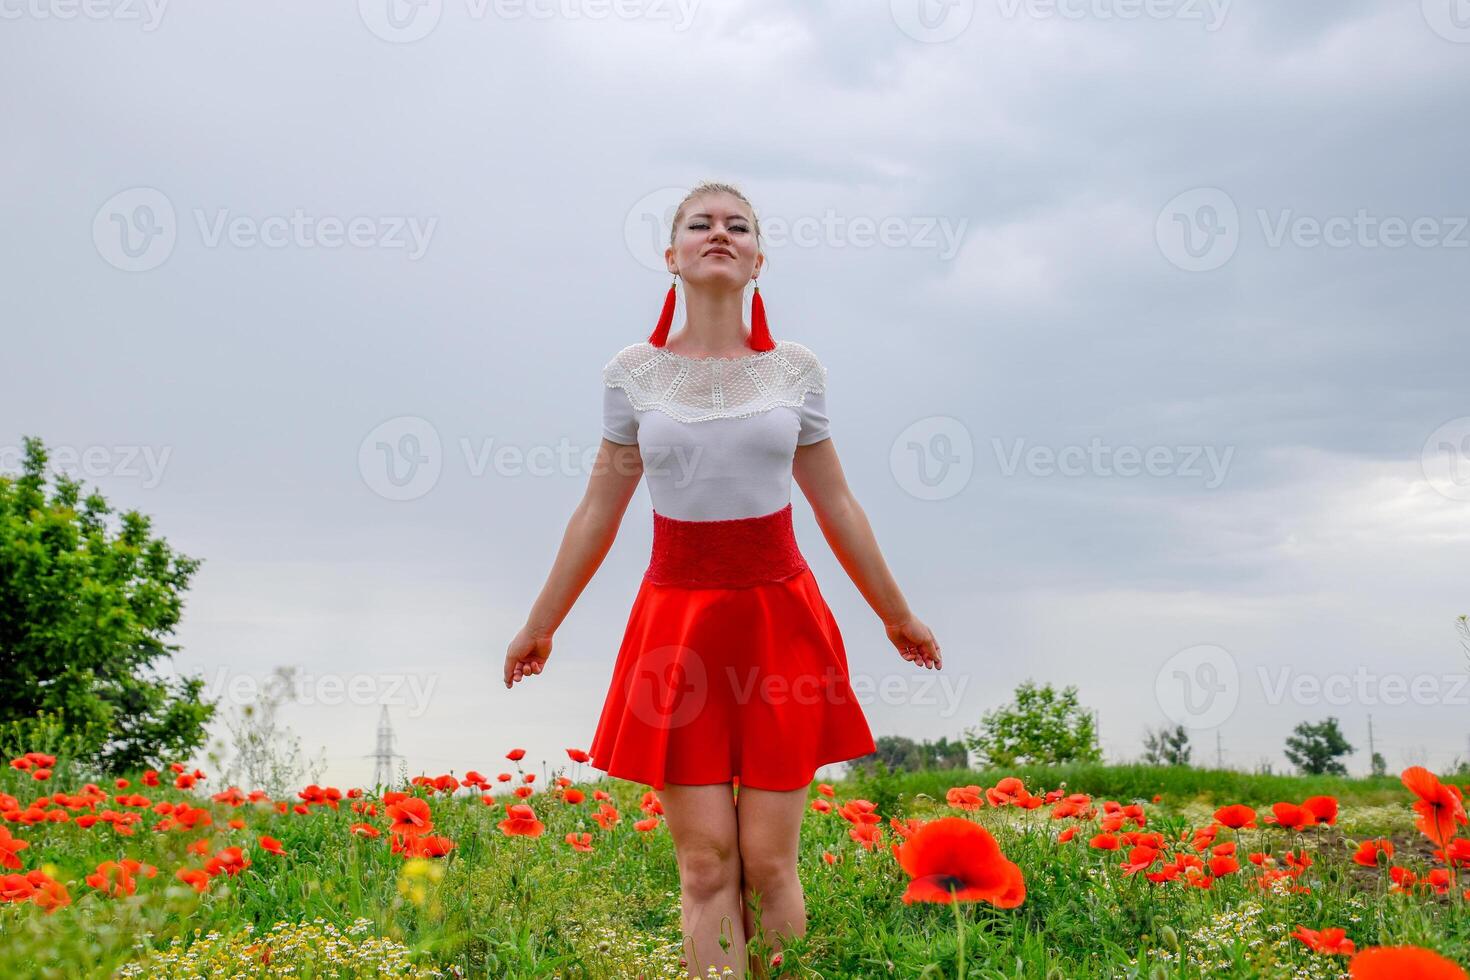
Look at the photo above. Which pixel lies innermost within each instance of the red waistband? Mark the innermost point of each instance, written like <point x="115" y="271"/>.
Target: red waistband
<point x="728" y="554"/>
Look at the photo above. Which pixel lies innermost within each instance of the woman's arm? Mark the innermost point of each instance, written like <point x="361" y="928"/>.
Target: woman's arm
<point x="818" y="472"/>
<point x="589" y="535"/>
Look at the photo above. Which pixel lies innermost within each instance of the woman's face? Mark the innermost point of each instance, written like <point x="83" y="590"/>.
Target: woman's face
<point x="714" y="244"/>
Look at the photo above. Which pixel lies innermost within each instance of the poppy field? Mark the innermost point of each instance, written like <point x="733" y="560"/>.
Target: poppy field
<point x="524" y="874"/>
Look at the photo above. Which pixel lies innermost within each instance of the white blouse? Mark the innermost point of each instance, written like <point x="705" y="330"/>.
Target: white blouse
<point x="717" y="435"/>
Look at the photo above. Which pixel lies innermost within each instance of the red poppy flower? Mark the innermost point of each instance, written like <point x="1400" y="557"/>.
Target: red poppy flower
<point x="516" y="755"/>
<point x="1323" y="808"/>
<point x="1368" y="850"/>
<point x="1289" y="816"/>
<point x="1139" y="859"/>
<point x="416" y="845"/>
<point x="1333" y="942"/>
<point x="1439" y="806"/>
<point x="521" y="821"/>
<point x="193" y="876"/>
<point x="1401" y="962"/>
<point x="952" y="859"/>
<point x="1220" y="866"/>
<point x="272" y="845"/>
<point x="859" y="811"/>
<point x="1005" y="792"/>
<point x="1457" y="854"/>
<point x="9" y="846"/>
<point x="964" y="797"/>
<point x="411" y="816"/>
<point x="1236" y="816"/>
<point x="230" y="860"/>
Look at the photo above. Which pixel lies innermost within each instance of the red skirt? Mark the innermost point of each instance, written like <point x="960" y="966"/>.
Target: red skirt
<point x="731" y="668"/>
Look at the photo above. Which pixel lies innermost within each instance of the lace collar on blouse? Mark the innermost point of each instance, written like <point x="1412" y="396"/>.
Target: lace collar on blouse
<point x="697" y="389"/>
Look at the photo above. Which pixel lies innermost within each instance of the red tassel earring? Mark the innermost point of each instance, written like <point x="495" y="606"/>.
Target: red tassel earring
<point x="760" y="334"/>
<point x="665" y="319"/>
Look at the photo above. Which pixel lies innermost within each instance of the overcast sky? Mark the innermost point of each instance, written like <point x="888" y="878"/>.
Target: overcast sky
<point x="1144" y="323"/>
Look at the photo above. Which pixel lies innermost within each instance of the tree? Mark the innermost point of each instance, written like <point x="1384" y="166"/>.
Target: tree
<point x="1318" y="749"/>
<point x="1167" y="746"/>
<point x="1041" y="726"/>
<point x="1379" y="764"/>
<point x="262" y="752"/>
<point x="84" y="615"/>
<point x="902" y="754"/>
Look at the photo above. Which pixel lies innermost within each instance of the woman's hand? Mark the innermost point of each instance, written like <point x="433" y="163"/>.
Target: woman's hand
<point x="915" y="642"/>
<point x="526" y="655"/>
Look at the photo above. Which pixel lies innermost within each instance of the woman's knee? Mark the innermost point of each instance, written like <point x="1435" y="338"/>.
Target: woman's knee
<point x="767" y="871"/>
<point x="708" y="868"/>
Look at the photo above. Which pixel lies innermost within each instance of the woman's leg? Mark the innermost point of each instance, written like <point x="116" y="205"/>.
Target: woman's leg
<point x="702" y="822"/>
<point x="769" y="825"/>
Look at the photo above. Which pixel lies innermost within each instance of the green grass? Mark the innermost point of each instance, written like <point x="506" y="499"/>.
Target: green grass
<point x="1178" y="784"/>
<point x="518" y="907"/>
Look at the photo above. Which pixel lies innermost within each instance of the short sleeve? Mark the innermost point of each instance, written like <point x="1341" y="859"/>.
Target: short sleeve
<point x="619" y="421"/>
<point x="814" y="426"/>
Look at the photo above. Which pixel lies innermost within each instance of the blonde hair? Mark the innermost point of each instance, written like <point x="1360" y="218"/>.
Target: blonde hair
<point x="714" y="187"/>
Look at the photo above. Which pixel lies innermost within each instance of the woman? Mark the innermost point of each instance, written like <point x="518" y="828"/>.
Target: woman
<point x="731" y="687"/>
